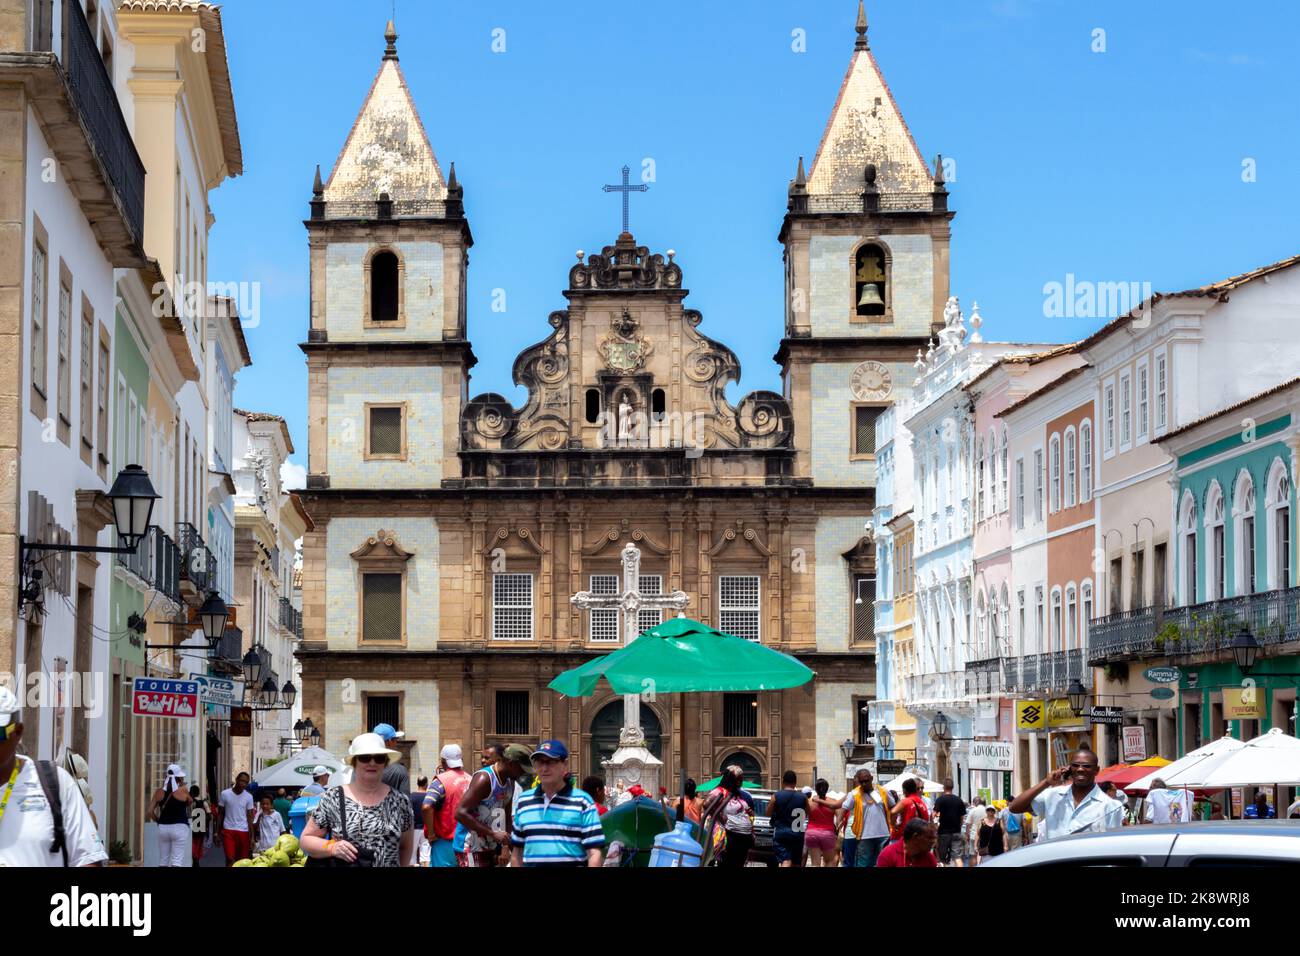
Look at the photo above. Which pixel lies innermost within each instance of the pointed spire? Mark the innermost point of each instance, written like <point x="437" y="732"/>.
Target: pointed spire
<point x="317" y="187"/>
<point x="938" y="169"/>
<point x="861" y="28"/>
<point x="452" y="184"/>
<point x="390" y="34"/>
<point x="799" y="178"/>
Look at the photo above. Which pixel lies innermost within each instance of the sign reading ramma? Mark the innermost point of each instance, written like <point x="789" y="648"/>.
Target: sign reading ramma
<point x="992" y="755"/>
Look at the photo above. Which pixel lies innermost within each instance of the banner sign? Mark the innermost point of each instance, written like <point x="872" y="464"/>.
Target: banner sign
<point x="1135" y="743"/>
<point x="1243" y="703"/>
<point x="1106" y="715"/>
<point x="156" y="697"/>
<point x="1059" y="714"/>
<point x="1162" y="675"/>
<point x="219" y="690"/>
<point x="1031" y="715"/>
<point x="992" y="755"/>
<point x="889" y="769"/>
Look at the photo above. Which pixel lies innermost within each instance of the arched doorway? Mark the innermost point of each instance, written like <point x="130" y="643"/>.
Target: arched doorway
<point x="746" y="762"/>
<point x="605" y="727"/>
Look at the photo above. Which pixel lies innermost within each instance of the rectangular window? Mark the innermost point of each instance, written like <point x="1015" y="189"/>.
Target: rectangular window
<point x="1020" y="604"/>
<point x="740" y="715"/>
<point x="64" y="382"/>
<point x="1006" y="478"/>
<point x="738" y="606"/>
<point x="1144" y="402"/>
<point x="1038" y="618"/>
<point x="512" y="713"/>
<point x="863" y="716"/>
<point x="102" y="401"/>
<point x="1108" y="428"/>
<point x="864" y="606"/>
<point x="512" y="607"/>
<point x="1282" y="534"/>
<point x="87" y="410"/>
<point x="381" y="607"/>
<point x="1020" y="494"/>
<point x="1138" y="586"/>
<point x="1116" y="585"/>
<point x="40" y="344"/>
<point x="1085" y="464"/>
<point x="385" y="709"/>
<point x="1069" y="470"/>
<point x="1217" y="565"/>
<point x="1125" y="411"/>
<point x="1162" y="392"/>
<point x="1158" y="574"/>
<point x="1055" y="477"/>
<point x="603" y="626"/>
<point x="647" y="618"/>
<point x="1248" y="552"/>
<point x="1038" y="484"/>
<point x="864" y="429"/>
<point x="1087" y="615"/>
<point x="386" y="431"/>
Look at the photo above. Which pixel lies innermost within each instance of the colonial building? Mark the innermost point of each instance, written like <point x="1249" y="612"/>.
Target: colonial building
<point x="451" y="533"/>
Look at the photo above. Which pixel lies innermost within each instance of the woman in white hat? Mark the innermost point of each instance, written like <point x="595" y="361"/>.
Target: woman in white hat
<point x="380" y="821"/>
<point x="170" y="807"/>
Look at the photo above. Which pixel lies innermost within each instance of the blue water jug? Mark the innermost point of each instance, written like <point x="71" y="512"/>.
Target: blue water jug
<point x="298" y="813"/>
<point x="677" y="847"/>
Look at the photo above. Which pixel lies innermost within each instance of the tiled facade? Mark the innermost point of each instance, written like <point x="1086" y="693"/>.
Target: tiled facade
<point x="835" y="536"/>
<point x="911" y="274"/>
<point x="422" y="269"/>
<point x="350" y="390"/>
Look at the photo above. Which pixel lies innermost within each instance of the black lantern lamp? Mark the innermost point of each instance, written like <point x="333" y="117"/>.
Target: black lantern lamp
<point x="288" y="694"/>
<point x="212" y="615"/>
<point x="939" y="727"/>
<point x="266" y="695"/>
<point x="250" y="663"/>
<point x="1245" y="650"/>
<point x="1078" y="696"/>
<point x="885" y="738"/>
<point x="132" y="497"/>
<point x="315" y="736"/>
<point x="846" y="748"/>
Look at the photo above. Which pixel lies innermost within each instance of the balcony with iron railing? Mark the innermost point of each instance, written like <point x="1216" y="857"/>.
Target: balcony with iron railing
<point x="229" y="651"/>
<point x="199" y="565"/>
<point x="79" y="108"/>
<point x="1047" y="674"/>
<point x="156" y="561"/>
<point x="1273" y="617"/>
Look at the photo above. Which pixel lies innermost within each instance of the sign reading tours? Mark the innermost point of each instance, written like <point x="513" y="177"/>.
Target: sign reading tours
<point x="992" y="755"/>
<point x="157" y="697"/>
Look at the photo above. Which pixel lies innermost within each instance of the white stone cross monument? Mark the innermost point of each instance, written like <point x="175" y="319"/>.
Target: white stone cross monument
<point x="632" y="762"/>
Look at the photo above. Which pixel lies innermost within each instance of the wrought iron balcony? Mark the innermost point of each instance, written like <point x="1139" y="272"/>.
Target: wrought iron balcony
<point x="985" y="677"/>
<point x="230" y="650"/>
<point x="199" y="565"/>
<point x="1046" y="674"/>
<point x="156" y="561"/>
<point x="1273" y="617"/>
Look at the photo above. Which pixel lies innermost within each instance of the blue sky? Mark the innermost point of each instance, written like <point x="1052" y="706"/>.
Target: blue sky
<point x="1123" y="165"/>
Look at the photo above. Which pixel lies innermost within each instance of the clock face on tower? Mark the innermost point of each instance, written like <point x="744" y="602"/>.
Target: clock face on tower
<point x="871" y="381"/>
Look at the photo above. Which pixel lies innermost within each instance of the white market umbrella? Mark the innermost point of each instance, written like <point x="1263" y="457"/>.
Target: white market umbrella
<point x="1270" y="760"/>
<point x="927" y="786"/>
<point x="1175" y="774"/>
<point x="295" y="771"/>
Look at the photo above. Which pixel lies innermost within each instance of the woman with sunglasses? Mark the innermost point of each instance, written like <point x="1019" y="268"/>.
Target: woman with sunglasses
<point x="380" y="822"/>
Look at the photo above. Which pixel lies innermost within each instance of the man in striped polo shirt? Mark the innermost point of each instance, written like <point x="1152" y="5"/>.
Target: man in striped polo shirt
<point x="555" y="823"/>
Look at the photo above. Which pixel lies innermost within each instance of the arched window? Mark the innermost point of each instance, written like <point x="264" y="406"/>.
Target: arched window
<point x="1187" y="531"/>
<point x="1055" y="636"/>
<point x="1006" y="472"/>
<point x="1071" y="617"/>
<point x="981" y="625"/>
<point x="1277" y="502"/>
<point x="870" y="282"/>
<point x="1243" y="514"/>
<point x="746" y="762"/>
<point x="593" y="406"/>
<point x="1085" y="613"/>
<point x="384" y="273"/>
<point x="1216" y="572"/>
<point x="993" y="505"/>
<point x="605" y="727"/>
<point x="658" y="404"/>
<point x="981" y="468"/>
<point x="1004" y="624"/>
<point x="1070" y="462"/>
<point x="1085" y="461"/>
<point x="1054" y="474"/>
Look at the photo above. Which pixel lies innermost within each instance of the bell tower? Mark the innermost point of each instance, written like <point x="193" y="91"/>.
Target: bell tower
<point x="866" y="237"/>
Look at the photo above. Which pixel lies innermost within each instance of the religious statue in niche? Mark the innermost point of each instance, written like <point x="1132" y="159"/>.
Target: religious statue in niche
<point x="628" y="424"/>
<point x="624" y="349"/>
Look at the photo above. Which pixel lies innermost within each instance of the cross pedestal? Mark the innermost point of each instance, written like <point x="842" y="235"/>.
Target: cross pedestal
<point x="632" y="761"/>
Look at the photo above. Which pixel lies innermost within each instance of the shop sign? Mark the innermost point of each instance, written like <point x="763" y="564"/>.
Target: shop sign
<point x="1106" y="715"/>
<point x="889" y="769"/>
<point x="1162" y="675"/>
<point x="991" y="755"/>
<point x="1243" y="703"/>
<point x="219" y="690"/>
<point x="1135" y="742"/>
<point x="1059" y="714"/>
<point x="241" y="721"/>
<point x="155" y="697"/>
<point x="1162" y="693"/>
<point x="1031" y="715"/>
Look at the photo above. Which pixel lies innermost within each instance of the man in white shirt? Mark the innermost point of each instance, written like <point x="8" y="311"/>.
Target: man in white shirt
<point x="235" y="814"/>
<point x="1167" y="806"/>
<point x="27" y="824"/>
<point x="320" y="781"/>
<point x="1064" y="808"/>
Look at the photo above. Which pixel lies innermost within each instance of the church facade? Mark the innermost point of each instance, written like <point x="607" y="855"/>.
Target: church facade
<point x="451" y="532"/>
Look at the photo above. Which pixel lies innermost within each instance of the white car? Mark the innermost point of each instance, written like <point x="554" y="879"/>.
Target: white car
<point x="1197" y="844"/>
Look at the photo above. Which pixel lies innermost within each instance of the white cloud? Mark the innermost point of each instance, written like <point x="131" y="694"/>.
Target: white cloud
<point x="293" y="476"/>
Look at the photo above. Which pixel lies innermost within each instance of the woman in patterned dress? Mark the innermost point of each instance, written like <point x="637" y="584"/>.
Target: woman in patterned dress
<point x="380" y="821"/>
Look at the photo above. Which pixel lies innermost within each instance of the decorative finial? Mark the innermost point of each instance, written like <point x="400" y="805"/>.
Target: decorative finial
<point x="317" y="187"/>
<point x="452" y="184"/>
<point x="975" y="323"/>
<point x="869" y="174"/>
<point x="671" y="253"/>
<point x="581" y="255"/>
<point x="390" y="34"/>
<point x="929" y="353"/>
<point x="861" y="43"/>
<point x="799" y="178"/>
<point x="938" y="169"/>
<point x="919" y="364"/>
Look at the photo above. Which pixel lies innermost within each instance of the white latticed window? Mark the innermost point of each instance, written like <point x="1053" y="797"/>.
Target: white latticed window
<point x="603" y="627"/>
<point x="738" y="605"/>
<point x="647" y="618"/>
<point x="512" y="607"/>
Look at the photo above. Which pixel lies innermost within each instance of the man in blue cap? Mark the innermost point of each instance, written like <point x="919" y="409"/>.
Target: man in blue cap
<point x="555" y="823"/>
<point x="395" y="774"/>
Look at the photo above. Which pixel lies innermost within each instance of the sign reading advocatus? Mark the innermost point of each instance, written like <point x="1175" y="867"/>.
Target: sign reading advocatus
<point x="992" y="755"/>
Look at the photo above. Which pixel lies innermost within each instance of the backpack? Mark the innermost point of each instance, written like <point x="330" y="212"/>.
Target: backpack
<point x="48" y="774"/>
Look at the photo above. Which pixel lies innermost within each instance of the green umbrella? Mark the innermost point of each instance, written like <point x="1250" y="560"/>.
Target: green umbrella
<point x="682" y="655"/>
<point x="709" y="785"/>
<point x="635" y="824"/>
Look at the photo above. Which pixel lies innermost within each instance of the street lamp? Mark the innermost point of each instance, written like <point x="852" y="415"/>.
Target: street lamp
<point x="1245" y="649"/>
<point x="939" y="727"/>
<point x="1078" y="697"/>
<point x="250" y="664"/>
<point x="315" y="737"/>
<point x="846" y="748"/>
<point x="288" y="694"/>
<point x="266" y="695"/>
<point x="212" y="615"/>
<point x="299" y="733"/>
<point x="885" y="738"/>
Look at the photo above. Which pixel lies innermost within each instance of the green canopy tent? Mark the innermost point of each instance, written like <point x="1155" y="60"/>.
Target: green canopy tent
<point x="683" y="656"/>
<point x="710" y="785"/>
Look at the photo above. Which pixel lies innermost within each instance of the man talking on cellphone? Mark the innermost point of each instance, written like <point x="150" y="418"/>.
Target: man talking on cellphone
<point x="1068" y="801"/>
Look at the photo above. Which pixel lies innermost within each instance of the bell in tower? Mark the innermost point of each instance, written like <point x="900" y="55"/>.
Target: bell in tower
<point x="869" y="281"/>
